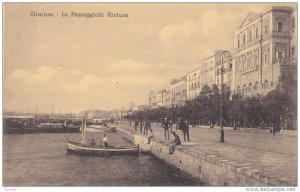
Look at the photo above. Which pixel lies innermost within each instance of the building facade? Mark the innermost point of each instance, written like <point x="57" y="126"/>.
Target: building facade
<point x="160" y="98"/>
<point x="210" y="68"/>
<point x="178" y="91"/>
<point x="152" y="100"/>
<point x="262" y="51"/>
<point x="193" y="84"/>
<point x="167" y="96"/>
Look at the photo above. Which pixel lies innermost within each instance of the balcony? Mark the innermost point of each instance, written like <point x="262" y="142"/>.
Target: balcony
<point x="250" y="69"/>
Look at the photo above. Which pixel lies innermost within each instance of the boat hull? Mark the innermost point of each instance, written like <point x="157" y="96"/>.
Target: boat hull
<point x="77" y="148"/>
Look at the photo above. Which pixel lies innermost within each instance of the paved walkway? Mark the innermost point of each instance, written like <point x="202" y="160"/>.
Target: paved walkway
<point x="273" y="155"/>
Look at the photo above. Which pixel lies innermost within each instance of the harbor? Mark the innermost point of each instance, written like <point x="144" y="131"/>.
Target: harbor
<point x="49" y="157"/>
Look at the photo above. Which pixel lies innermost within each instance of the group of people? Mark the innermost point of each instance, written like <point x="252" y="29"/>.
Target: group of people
<point x="104" y="141"/>
<point x="144" y="126"/>
<point x="181" y="125"/>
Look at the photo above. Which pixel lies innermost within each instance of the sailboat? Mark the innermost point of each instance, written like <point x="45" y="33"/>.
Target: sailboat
<point x="97" y="150"/>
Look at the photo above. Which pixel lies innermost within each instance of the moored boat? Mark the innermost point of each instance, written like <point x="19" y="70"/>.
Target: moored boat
<point x="78" y="148"/>
<point x="97" y="150"/>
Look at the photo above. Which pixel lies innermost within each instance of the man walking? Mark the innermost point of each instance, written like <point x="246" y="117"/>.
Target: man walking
<point x="166" y="125"/>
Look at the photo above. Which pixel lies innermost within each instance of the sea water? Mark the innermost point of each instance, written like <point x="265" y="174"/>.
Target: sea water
<point x="35" y="160"/>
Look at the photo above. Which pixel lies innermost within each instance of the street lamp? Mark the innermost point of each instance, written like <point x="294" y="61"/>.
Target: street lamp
<point x="225" y="57"/>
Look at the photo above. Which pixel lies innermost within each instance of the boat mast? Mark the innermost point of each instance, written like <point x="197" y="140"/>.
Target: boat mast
<point x="82" y="128"/>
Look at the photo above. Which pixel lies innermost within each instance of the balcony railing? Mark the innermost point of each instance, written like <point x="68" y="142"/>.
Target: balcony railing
<point x="250" y="69"/>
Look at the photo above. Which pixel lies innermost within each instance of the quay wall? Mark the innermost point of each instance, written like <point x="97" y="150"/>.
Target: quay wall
<point x="209" y="169"/>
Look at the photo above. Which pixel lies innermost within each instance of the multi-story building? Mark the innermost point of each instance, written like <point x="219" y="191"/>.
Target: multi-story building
<point x="262" y="47"/>
<point x="178" y="91"/>
<point x="208" y="68"/>
<point x="294" y="37"/>
<point x="152" y="99"/>
<point x="193" y="84"/>
<point x="226" y="64"/>
<point x="160" y="98"/>
<point x="167" y="96"/>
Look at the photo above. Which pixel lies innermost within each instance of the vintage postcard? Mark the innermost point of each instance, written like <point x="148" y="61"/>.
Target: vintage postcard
<point x="150" y="94"/>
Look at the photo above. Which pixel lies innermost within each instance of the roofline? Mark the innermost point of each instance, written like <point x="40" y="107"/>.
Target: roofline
<point x="276" y="8"/>
<point x="213" y="53"/>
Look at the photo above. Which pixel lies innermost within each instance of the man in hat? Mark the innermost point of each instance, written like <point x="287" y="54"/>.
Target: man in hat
<point x="166" y="125"/>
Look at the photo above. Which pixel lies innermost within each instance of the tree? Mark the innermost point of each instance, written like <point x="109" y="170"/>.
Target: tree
<point x="275" y="104"/>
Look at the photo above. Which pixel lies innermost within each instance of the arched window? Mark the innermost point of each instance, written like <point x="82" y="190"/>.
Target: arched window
<point x="266" y="84"/>
<point x="250" y="87"/>
<point x="238" y="90"/>
<point x="256" y="85"/>
<point x="244" y="88"/>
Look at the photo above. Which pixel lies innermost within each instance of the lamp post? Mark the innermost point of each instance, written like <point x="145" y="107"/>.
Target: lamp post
<point x="225" y="56"/>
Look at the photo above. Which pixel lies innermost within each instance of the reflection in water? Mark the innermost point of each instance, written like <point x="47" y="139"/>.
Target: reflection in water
<point x="41" y="160"/>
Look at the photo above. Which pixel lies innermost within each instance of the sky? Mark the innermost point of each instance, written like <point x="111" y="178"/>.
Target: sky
<point x="79" y="63"/>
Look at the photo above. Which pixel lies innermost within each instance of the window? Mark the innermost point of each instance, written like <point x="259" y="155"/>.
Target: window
<point x="256" y="60"/>
<point x="293" y="50"/>
<point x="256" y="85"/>
<point x="279" y="26"/>
<point x="244" y="39"/>
<point x="266" y="58"/>
<point x="244" y="88"/>
<point x="293" y="23"/>
<point x="266" y="84"/>
<point x="280" y="56"/>
<point x="249" y="63"/>
<point x="238" y="43"/>
<point x="250" y="87"/>
<point x="250" y="35"/>
<point x="266" y="28"/>
<point x="256" y="33"/>
<point x="244" y="65"/>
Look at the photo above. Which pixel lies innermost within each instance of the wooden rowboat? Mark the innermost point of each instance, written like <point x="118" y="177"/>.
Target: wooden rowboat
<point x="78" y="148"/>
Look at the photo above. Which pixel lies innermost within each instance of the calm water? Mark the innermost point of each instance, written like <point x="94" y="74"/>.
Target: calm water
<point x="41" y="160"/>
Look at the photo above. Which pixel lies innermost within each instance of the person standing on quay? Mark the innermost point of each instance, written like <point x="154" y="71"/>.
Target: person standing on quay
<point x="136" y="124"/>
<point x="186" y="130"/>
<point x="147" y="126"/>
<point x="141" y="126"/>
<point x="166" y="125"/>
<point x="180" y="125"/>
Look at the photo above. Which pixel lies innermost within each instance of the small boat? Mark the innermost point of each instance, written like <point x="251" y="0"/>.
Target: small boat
<point x="82" y="149"/>
<point x="96" y="150"/>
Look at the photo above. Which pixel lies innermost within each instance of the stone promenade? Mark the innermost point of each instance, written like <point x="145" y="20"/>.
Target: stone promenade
<point x="271" y="155"/>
